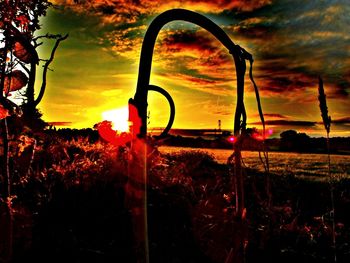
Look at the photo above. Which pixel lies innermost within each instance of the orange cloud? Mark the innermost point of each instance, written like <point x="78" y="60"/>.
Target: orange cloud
<point x="121" y="44"/>
<point x="128" y="11"/>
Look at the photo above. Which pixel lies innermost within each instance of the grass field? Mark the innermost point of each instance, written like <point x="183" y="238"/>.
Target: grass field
<point x="301" y="164"/>
<point x="69" y="207"/>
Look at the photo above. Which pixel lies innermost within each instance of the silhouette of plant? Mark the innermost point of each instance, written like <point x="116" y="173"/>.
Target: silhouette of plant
<point x="327" y="125"/>
<point x="19" y="20"/>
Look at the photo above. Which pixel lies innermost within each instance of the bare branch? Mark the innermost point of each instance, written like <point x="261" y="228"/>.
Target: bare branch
<point x="37" y="44"/>
<point x="46" y="68"/>
<point x="23" y="66"/>
<point x="49" y="36"/>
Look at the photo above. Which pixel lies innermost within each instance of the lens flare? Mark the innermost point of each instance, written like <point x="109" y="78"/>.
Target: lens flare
<point x="119" y="118"/>
<point x="232" y="139"/>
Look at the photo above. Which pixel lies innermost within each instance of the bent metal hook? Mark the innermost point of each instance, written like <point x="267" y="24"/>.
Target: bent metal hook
<point x="239" y="55"/>
<point x="136" y="187"/>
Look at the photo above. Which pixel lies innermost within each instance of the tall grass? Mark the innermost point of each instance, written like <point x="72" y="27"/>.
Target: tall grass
<point x="327" y="125"/>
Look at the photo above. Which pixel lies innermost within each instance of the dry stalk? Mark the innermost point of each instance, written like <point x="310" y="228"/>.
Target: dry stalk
<point x="327" y="125"/>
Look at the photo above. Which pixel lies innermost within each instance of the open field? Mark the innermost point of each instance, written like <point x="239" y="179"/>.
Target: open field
<point x="300" y="164"/>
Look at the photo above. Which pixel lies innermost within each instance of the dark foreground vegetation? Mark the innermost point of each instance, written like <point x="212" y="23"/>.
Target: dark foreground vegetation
<point x="68" y="206"/>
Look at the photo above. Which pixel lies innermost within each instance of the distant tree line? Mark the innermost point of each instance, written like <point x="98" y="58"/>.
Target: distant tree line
<point x="289" y="141"/>
<point x="74" y="134"/>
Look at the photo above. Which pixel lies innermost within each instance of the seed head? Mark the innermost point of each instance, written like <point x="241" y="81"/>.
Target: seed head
<point x="323" y="106"/>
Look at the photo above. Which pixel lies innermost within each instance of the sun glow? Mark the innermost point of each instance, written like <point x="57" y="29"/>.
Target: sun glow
<point x="119" y="118"/>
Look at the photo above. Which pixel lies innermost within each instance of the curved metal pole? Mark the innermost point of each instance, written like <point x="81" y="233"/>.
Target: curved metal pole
<point x="138" y="167"/>
<point x="172" y="108"/>
<point x="239" y="55"/>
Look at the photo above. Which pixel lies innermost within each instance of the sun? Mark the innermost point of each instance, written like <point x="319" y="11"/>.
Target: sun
<point x="119" y="118"/>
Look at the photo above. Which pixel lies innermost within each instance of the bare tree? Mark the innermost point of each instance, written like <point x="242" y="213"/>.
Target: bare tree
<point x="19" y="20"/>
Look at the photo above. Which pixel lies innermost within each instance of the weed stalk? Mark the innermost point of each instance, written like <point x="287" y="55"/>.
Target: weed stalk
<point x="327" y="124"/>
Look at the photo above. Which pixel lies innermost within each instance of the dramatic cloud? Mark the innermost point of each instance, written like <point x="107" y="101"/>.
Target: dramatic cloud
<point x="129" y="11"/>
<point x="292" y="43"/>
<point x="295" y="44"/>
<point x="291" y="37"/>
<point x="196" y="54"/>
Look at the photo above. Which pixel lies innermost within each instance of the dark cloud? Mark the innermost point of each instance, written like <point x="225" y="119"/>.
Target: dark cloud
<point x="198" y="81"/>
<point x="257" y="31"/>
<point x="288" y="123"/>
<point x="339" y="124"/>
<point x="275" y="84"/>
<point x="345" y="120"/>
<point x="210" y="52"/>
<point x="106" y="9"/>
<point x="188" y="40"/>
<point x="342" y="89"/>
<point x="196" y="56"/>
<point x="60" y="123"/>
<point x="274" y="115"/>
<point x="255" y="28"/>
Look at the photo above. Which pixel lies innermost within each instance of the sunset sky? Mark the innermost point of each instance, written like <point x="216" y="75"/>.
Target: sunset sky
<point x="292" y="42"/>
